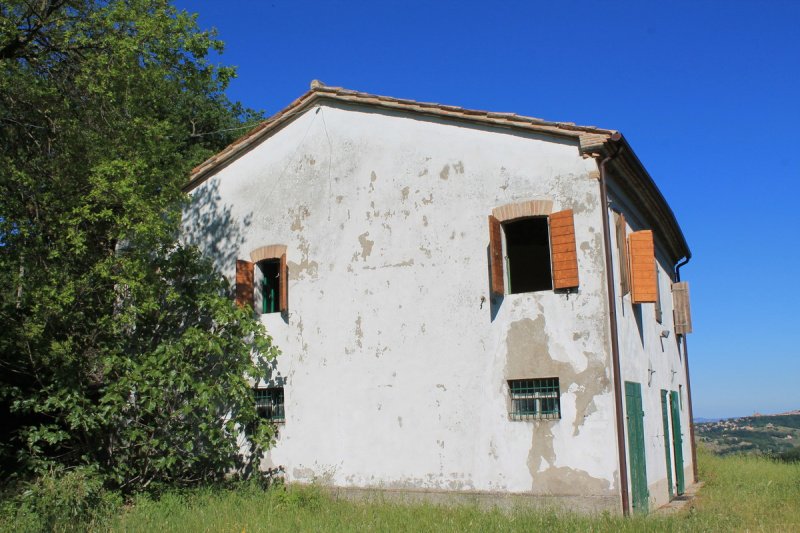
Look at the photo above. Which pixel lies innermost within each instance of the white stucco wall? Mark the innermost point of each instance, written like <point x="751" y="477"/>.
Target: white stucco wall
<point x="654" y="362"/>
<point x="395" y="358"/>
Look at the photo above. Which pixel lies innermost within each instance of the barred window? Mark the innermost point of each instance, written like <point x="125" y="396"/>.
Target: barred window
<point x="269" y="404"/>
<point x="533" y="399"/>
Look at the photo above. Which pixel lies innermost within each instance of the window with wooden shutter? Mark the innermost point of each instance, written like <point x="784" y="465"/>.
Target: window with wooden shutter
<point x="269" y="285"/>
<point x="496" y="256"/>
<point x="643" y="267"/>
<point x="622" y="249"/>
<point x="681" y="312"/>
<point x="563" y="250"/>
<point x="245" y="272"/>
<point x="284" y="285"/>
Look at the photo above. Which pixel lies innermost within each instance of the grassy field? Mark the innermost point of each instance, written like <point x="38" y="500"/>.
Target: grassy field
<point x="741" y="493"/>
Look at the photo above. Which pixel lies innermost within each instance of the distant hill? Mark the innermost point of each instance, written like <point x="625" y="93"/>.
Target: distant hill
<point x="758" y="434"/>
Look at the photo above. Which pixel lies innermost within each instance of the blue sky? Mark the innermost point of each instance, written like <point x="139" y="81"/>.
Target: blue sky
<point x="706" y="93"/>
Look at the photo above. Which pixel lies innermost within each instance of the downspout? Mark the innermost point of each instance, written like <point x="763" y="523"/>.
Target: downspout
<point x="688" y="381"/>
<point x="612" y="315"/>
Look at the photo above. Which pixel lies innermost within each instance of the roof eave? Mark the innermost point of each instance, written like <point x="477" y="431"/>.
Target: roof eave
<point x="642" y="186"/>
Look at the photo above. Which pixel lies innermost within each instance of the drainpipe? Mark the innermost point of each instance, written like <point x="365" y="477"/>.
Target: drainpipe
<point x="688" y="382"/>
<point x="612" y="315"/>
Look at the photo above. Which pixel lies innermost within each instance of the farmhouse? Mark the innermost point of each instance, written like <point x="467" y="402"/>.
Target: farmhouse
<point x="469" y="304"/>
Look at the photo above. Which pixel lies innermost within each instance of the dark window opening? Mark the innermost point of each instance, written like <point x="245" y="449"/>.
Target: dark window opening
<point x="269" y="404"/>
<point x="637" y="315"/>
<point x="528" y="255"/>
<point x="535" y="398"/>
<point x="270" y="285"/>
<point x="659" y="314"/>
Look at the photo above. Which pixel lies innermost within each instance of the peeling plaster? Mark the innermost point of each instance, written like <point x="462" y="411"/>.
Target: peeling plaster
<point x="530" y="355"/>
<point x="359" y="332"/>
<point x="366" y="245"/>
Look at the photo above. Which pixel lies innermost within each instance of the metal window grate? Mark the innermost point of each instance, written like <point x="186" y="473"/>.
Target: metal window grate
<point x="533" y="399"/>
<point x="269" y="404"/>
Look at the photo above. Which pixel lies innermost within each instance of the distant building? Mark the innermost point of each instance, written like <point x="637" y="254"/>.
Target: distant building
<point x="468" y="303"/>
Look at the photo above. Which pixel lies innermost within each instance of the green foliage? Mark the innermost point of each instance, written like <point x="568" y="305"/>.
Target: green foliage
<point x="790" y="456"/>
<point x="120" y="347"/>
<point x="769" y="434"/>
<point x="70" y="501"/>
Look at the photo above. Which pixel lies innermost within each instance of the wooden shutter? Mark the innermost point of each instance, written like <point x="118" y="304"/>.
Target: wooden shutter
<point x="622" y="248"/>
<point x="245" y="272"/>
<point x="643" y="267"/>
<point x="562" y="250"/>
<point x="496" y="256"/>
<point x="283" y="291"/>
<point x="681" y="312"/>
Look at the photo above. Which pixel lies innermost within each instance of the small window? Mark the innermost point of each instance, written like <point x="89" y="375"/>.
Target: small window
<point x="269" y="404"/>
<point x="528" y="255"/>
<point x="535" y="399"/>
<point x="659" y="314"/>
<point x="269" y="285"/>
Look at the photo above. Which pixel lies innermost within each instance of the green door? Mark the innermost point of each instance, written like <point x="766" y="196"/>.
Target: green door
<point x="677" y="439"/>
<point x="637" y="464"/>
<point x="667" y="447"/>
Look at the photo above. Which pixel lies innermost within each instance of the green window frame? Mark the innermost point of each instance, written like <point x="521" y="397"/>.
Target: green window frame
<point x="270" y="404"/>
<point x="535" y="399"/>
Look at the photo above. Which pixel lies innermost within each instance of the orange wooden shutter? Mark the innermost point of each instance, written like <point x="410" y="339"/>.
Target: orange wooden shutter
<point x="496" y="255"/>
<point x="643" y="267"/>
<point x="562" y="250"/>
<point x="283" y="279"/>
<point x="681" y="312"/>
<point x="245" y="272"/>
<point x="622" y="248"/>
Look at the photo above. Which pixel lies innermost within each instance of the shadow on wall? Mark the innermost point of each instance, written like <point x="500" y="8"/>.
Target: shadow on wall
<point x="210" y="225"/>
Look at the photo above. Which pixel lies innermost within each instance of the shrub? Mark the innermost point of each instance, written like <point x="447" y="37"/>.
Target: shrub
<point x="790" y="456"/>
<point x="60" y="501"/>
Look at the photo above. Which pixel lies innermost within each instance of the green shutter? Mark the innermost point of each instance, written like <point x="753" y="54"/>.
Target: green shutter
<point x="677" y="440"/>
<point x="637" y="464"/>
<point x="667" y="454"/>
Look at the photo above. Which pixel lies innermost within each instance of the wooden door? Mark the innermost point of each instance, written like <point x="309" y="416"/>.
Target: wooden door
<point x="677" y="440"/>
<point x="667" y="444"/>
<point x="637" y="463"/>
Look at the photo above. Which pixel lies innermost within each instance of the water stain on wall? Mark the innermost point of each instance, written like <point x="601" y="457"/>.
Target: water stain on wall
<point x="528" y="356"/>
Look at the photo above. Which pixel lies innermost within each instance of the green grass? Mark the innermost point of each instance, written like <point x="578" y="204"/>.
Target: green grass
<point x="741" y="493"/>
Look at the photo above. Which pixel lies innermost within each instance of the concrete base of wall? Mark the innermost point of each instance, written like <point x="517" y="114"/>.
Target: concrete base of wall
<point x="682" y="502"/>
<point x="483" y="500"/>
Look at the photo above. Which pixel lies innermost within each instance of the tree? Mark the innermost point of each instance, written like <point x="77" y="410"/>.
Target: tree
<point x="120" y="347"/>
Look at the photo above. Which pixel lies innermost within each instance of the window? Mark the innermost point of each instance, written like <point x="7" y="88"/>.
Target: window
<point x="269" y="285"/>
<point x="539" y="252"/>
<point x="528" y="255"/>
<point x="533" y="399"/>
<point x="269" y="404"/>
<point x="266" y="288"/>
<point x="659" y="314"/>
